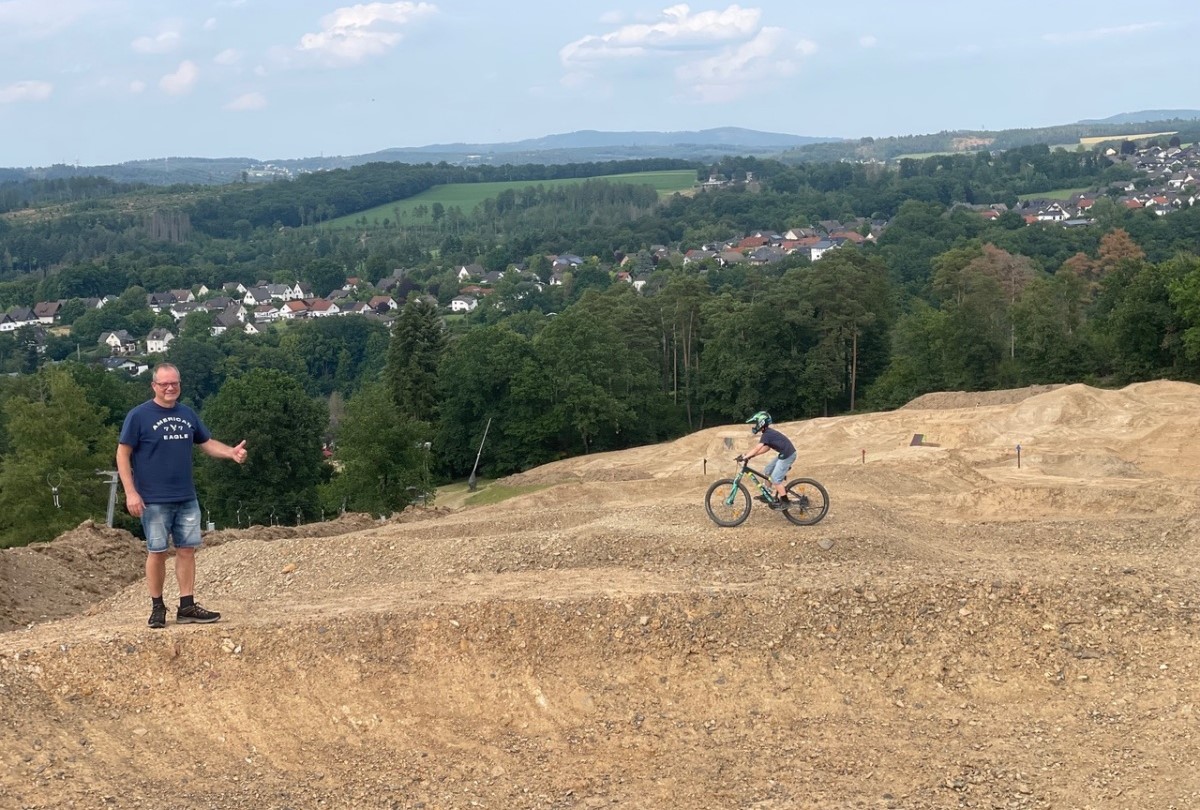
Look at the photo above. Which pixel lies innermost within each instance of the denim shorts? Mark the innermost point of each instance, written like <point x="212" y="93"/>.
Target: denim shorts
<point x="777" y="468"/>
<point x="180" y="520"/>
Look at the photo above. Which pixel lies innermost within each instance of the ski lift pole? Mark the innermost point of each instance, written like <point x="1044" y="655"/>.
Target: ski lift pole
<point x="471" y="480"/>
<point x="113" y="479"/>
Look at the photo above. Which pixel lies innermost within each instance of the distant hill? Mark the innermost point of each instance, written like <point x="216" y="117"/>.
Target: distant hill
<point x="585" y="146"/>
<point x="593" y="146"/>
<point x="1145" y="116"/>
<point x="721" y="137"/>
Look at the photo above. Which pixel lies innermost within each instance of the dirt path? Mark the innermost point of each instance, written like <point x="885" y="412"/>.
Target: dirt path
<point x="975" y="635"/>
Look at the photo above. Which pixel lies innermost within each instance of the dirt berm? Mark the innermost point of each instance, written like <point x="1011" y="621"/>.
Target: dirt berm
<point x="960" y="631"/>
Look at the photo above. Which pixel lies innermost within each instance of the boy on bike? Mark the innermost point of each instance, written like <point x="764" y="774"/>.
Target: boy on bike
<point x="777" y="468"/>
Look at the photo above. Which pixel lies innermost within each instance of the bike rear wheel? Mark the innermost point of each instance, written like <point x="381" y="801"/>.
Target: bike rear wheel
<point x="810" y="502"/>
<point x="727" y="502"/>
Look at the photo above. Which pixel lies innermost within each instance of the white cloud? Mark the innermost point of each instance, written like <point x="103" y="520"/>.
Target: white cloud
<point x="247" y="101"/>
<point x="182" y="80"/>
<point x="165" y="42"/>
<point x="41" y="18"/>
<point x="210" y="24"/>
<point x="1100" y="33"/>
<point x="678" y="29"/>
<point x="229" y="56"/>
<point x="736" y="70"/>
<point x="25" y="91"/>
<point x="137" y="86"/>
<point x="716" y="55"/>
<point x="868" y="41"/>
<point x="352" y="33"/>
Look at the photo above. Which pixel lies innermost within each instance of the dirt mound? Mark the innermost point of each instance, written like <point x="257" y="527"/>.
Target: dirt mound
<point x="61" y="578"/>
<point x="960" y="631"/>
<point x="947" y="400"/>
<point x="51" y="580"/>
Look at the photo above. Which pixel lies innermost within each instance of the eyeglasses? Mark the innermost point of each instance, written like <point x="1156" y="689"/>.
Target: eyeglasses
<point x="166" y="384"/>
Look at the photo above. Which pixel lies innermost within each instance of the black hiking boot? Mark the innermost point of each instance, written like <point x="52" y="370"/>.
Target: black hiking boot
<point x="194" y="614"/>
<point x="158" y="617"/>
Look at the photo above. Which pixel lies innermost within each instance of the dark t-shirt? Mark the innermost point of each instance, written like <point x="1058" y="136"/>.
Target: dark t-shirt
<point x="162" y="440"/>
<point x="777" y="441"/>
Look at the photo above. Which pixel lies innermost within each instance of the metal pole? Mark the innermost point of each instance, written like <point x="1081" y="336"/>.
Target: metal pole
<point x="113" y="479"/>
<point x="471" y="480"/>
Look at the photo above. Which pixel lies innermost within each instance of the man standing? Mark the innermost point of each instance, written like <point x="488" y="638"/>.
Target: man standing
<point x="154" y="460"/>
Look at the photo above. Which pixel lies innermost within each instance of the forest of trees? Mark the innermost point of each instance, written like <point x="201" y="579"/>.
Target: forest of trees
<point x="945" y="300"/>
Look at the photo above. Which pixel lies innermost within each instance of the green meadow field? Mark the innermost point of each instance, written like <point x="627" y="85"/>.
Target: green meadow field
<point x="466" y="196"/>
<point x="1056" y="194"/>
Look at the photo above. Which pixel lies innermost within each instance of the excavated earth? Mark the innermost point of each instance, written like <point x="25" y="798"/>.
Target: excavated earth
<point x="967" y="628"/>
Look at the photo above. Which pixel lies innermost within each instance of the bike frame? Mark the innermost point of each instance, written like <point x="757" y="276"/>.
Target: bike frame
<point x="757" y="476"/>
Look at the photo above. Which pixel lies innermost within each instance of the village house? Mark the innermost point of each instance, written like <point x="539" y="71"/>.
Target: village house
<point x="257" y="296"/>
<point x="291" y="310"/>
<point x="322" y="308"/>
<point x="119" y="342"/>
<point x="225" y="321"/>
<point x="158" y="340"/>
<point x="469" y="271"/>
<point x="47" y="312"/>
<point x="463" y="303"/>
<point x="123" y="364"/>
<point x="158" y="301"/>
<point x="383" y="303"/>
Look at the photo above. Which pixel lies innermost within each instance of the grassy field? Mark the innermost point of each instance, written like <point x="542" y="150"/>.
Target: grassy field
<point x="1139" y="137"/>
<point x="1057" y="194"/>
<point x="923" y="155"/>
<point x="486" y="492"/>
<point x="468" y="195"/>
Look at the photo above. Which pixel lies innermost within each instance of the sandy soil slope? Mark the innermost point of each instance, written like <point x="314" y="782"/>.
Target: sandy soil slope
<point x="958" y="632"/>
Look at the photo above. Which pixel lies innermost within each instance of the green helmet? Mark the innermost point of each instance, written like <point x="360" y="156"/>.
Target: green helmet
<point x="760" y="421"/>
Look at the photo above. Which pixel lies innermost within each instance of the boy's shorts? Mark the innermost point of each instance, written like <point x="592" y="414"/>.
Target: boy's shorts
<point x="778" y="467"/>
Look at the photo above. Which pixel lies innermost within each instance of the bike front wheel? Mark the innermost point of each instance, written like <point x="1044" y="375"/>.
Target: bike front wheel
<point x="810" y="502"/>
<point x="727" y="502"/>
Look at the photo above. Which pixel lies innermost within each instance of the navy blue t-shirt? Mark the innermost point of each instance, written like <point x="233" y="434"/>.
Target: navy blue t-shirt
<point x="778" y="442"/>
<point x="162" y="440"/>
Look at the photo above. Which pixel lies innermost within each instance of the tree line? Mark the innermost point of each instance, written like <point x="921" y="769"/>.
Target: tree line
<point x="616" y="368"/>
<point x="945" y="300"/>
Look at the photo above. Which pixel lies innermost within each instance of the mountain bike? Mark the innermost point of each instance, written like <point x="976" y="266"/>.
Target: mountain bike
<point x="728" y="500"/>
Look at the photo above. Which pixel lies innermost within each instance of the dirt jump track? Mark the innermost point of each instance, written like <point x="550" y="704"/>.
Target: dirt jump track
<point x="958" y="632"/>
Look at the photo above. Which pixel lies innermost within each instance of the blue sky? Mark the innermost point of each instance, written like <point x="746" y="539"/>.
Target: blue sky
<point x="104" y="81"/>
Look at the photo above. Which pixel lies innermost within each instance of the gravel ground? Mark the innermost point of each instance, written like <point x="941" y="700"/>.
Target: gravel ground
<point x="958" y="632"/>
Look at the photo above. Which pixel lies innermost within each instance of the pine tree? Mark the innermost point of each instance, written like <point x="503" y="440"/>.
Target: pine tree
<point x="414" y="353"/>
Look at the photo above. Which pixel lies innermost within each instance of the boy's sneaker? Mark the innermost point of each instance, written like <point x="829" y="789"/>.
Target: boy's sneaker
<point x="762" y="498"/>
<point x="158" y="616"/>
<point x="782" y="503"/>
<point x="194" y="614"/>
